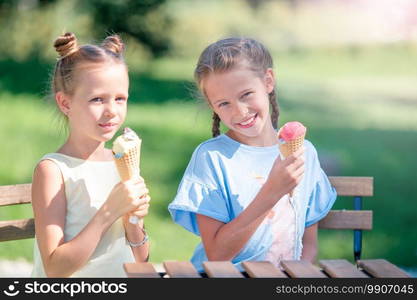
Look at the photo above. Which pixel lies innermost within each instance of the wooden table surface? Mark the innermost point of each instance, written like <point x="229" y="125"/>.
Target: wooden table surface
<point x="335" y="268"/>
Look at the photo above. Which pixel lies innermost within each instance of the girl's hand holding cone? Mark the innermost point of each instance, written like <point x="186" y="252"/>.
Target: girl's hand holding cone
<point x="291" y="139"/>
<point x="125" y="197"/>
<point x="286" y="174"/>
<point x="142" y="207"/>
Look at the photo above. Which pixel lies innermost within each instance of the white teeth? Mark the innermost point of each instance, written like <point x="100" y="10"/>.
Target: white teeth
<point x="247" y="122"/>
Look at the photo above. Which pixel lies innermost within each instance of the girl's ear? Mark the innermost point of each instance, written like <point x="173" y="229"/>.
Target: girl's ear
<point x="63" y="102"/>
<point x="269" y="80"/>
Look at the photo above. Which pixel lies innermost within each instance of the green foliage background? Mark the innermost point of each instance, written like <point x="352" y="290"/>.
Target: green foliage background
<point x="359" y="103"/>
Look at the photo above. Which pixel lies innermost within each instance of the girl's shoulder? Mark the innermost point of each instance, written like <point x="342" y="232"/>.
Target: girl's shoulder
<point x="206" y="157"/>
<point x="54" y="161"/>
<point x="52" y="165"/>
<point x="213" y="145"/>
<point x="214" y="142"/>
<point x="47" y="181"/>
<point x="46" y="168"/>
<point x="55" y="156"/>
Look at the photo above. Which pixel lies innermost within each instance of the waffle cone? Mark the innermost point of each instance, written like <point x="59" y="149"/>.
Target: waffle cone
<point x="291" y="146"/>
<point x="128" y="164"/>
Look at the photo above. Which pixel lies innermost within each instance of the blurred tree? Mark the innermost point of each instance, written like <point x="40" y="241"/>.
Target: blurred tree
<point x="143" y="20"/>
<point x="8" y="5"/>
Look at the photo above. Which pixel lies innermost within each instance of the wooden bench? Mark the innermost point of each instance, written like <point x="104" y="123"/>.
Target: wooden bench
<point x="356" y="220"/>
<point x="16" y="229"/>
<point x="339" y="268"/>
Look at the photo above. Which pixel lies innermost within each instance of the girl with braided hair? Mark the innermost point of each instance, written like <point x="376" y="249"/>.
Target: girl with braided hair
<point x="80" y="205"/>
<point x="234" y="193"/>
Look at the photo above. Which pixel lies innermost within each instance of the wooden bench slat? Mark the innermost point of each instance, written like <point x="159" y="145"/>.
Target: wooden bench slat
<point x="381" y="268"/>
<point x="141" y="270"/>
<point x="341" y="268"/>
<point x="347" y="219"/>
<point x="181" y="269"/>
<point x="262" y="269"/>
<point x="15" y="194"/>
<point x="353" y="186"/>
<point x="302" y="269"/>
<point x="17" y="229"/>
<point x="221" y="269"/>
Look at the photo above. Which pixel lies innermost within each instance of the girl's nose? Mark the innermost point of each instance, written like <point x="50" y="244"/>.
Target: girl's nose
<point x="241" y="109"/>
<point x="110" y="110"/>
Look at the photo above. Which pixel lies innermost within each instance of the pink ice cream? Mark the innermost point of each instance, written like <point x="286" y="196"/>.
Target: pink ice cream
<point x="292" y="130"/>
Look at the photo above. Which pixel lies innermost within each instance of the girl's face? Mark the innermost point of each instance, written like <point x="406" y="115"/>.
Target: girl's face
<point x="98" y="106"/>
<point x="240" y="98"/>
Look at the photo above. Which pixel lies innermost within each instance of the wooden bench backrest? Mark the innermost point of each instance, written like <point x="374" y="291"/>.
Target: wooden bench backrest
<point x="344" y="219"/>
<point x="16" y="229"/>
<point x="350" y="219"/>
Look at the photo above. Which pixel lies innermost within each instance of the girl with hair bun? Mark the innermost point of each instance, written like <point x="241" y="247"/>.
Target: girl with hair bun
<point x="80" y="205"/>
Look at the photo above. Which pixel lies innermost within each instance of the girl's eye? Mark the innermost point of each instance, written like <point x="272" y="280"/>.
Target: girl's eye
<point x="96" y="100"/>
<point x="223" y="104"/>
<point x="247" y="94"/>
<point x="121" y="99"/>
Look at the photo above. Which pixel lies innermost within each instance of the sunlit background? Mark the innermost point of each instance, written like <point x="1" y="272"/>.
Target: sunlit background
<point x="347" y="69"/>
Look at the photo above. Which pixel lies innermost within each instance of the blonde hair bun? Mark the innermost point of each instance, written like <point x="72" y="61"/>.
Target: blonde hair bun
<point x="113" y="43"/>
<point x="66" y="44"/>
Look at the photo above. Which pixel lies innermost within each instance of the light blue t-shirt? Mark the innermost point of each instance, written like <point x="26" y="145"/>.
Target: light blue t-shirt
<point x="222" y="179"/>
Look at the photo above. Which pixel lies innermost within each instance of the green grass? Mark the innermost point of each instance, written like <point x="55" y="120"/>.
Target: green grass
<point x="359" y="108"/>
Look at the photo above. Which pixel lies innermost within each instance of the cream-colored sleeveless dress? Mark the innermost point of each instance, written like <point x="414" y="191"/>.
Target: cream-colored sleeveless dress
<point x="87" y="186"/>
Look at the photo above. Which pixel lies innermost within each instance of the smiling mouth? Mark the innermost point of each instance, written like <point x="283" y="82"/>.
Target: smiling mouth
<point x="249" y="122"/>
<point x="107" y="125"/>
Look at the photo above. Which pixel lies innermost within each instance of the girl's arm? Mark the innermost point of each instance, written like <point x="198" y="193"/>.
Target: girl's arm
<point x="135" y="234"/>
<point x="60" y="258"/>
<point x="310" y="243"/>
<point x="223" y="241"/>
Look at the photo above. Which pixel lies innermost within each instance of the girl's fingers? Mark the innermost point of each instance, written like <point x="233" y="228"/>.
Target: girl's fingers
<point x="139" y="191"/>
<point x="299" y="162"/>
<point x="146" y="198"/>
<point x="142" y="200"/>
<point x="135" y="183"/>
<point x="295" y="156"/>
<point x="299" y="172"/>
<point x="142" y="191"/>
<point x="296" y="164"/>
<point x="141" y="211"/>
